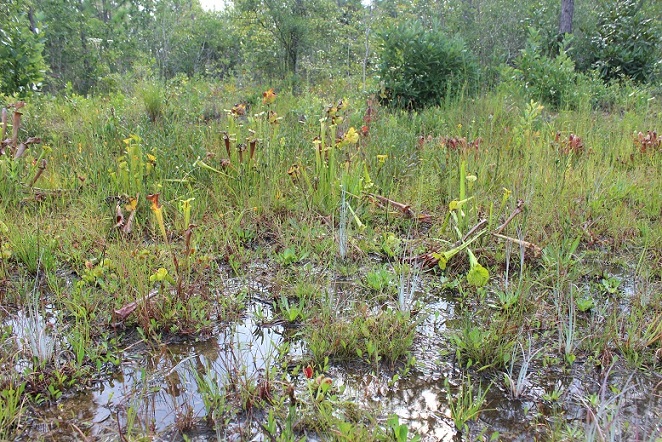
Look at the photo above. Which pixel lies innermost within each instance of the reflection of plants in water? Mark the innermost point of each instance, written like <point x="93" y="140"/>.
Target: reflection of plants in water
<point x="604" y="415"/>
<point x="212" y="391"/>
<point x="132" y="413"/>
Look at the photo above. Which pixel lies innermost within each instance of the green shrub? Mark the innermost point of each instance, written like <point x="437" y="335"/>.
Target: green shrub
<point x="421" y="67"/>
<point x="22" y="65"/>
<point x="550" y="80"/>
<point x="627" y="42"/>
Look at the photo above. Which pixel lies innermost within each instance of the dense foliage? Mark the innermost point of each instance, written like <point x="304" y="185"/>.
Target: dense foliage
<point x="421" y="67"/>
<point x="93" y="46"/>
<point x="22" y="66"/>
<point x="552" y="80"/>
<point x="627" y="42"/>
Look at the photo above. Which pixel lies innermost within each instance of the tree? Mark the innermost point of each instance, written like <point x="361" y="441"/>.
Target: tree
<point x="22" y="66"/>
<point x="188" y="40"/>
<point x="567" y="12"/>
<point x="84" y="40"/>
<point x="293" y="24"/>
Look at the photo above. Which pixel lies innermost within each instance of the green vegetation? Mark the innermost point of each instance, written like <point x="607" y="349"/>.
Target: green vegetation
<point x="282" y="235"/>
<point x="144" y="223"/>
<point x="420" y="67"/>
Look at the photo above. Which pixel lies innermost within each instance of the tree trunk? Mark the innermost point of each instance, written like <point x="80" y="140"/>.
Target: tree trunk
<point x="33" y="26"/>
<point x="567" y="11"/>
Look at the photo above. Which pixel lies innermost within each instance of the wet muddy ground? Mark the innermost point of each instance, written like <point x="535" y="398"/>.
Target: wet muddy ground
<point x="155" y="391"/>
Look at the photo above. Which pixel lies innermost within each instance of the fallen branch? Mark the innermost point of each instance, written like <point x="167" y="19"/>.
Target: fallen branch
<point x="385" y="202"/>
<point x="129" y="308"/>
<point x="405" y="209"/>
<point x="518" y="209"/>
<point x="430" y="259"/>
<point x="473" y="230"/>
<point x="535" y="249"/>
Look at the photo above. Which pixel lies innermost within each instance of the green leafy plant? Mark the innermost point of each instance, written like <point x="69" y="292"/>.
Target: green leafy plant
<point x="478" y="275"/>
<point x="550" y="80"/>
<point x="585" y="304"/>
<point x="290" y="256"/>
<point x="384" y="336"/>
<point x="153" y="97"/>
<point x="481" y="347"/>
<point x="610" y="284"/>
<point x="333" y="180"/>
<point x="11" y="409"/>
<point x="444" y="257"/>
<point x="5" y="249"/>
<point x="378" y="280"/>
<point x="507" y="298"/>
<point x="467" y="404"/>
<point x="135" y="169"/>
<point x="400" y="432"/>
<point x="421" y="67"/>
<point x="292" y="312"/>
<point x="626" y="42"/>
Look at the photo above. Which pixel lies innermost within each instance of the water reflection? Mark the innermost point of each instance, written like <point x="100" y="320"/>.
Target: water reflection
<point x="154" y="387"/>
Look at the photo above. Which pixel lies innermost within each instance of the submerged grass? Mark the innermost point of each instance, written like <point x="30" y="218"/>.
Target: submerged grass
<point x="344" y="203"/>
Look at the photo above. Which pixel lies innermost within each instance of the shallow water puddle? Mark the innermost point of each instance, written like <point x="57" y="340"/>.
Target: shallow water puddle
<point x="154" y="386"/>
<point x="33" y="336"/>
<point x="157" y="388"/>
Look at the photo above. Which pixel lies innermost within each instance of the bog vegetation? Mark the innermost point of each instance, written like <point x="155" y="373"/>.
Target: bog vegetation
<point x="275" y="220"/>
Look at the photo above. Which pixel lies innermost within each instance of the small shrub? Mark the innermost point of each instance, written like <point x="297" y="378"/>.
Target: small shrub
<point x="421" y="67"/>
<point x="550" y="80"/>
<point x="153" y="97"/>
<point x="482" y="347"/>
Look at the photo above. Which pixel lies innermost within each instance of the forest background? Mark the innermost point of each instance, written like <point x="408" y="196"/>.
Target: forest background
<point x="90" y="46"/>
